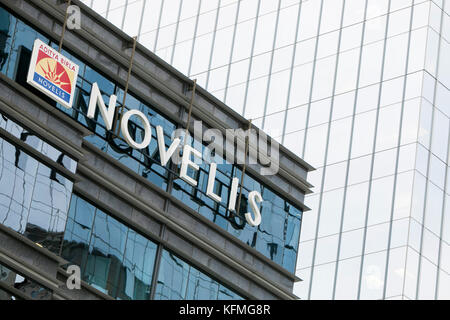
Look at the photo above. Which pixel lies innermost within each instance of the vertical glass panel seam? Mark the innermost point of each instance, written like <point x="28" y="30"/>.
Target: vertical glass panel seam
<point x="319" y="209"/>
<point x="291" y="73"/>
<point x="194" y="37"/>
<point x="419" y="268"/>
<point x="159" y="25"/>
<point x="312" y="79"/>
<point x="211" y="52"/>
<point x="373" y="151"/>
<point x="251" y="58"/>
<point x="232" y="51"/>
<point x="176" y="33"/>
<point x="271" y="64"/>
<point x="398" y="156"/>
<point x="156" y="269"/>
<point x="124" y="14"/>
<point x="306" y="126"/>
<point x="341" y="227"/>
<point x="142" y="20"/>
<point x="108" y="6"/>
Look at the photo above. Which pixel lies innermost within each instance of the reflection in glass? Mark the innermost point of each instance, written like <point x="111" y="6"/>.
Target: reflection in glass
<point x="113" y="258"/>
<point x="4" y="28"/>
<point x="179" y="281"/>
<point x="34" y="199"/>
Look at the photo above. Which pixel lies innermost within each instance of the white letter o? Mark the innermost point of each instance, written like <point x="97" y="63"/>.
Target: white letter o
<point x="147" y="130"/>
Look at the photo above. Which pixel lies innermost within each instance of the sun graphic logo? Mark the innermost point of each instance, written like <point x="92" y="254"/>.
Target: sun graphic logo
<point x="52" y="73"/>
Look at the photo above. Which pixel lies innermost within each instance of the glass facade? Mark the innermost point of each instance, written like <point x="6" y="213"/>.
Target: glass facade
<point x="177" y="280"/>
<point x="122" y="263"/>
<point x="357" y="88"/>
<point x="34" y="198"/>
<point x="112" y="257"/>
<point x="276" y="238"/>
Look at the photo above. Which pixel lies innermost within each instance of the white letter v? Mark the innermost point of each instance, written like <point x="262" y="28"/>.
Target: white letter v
<point x="163" y="154"/>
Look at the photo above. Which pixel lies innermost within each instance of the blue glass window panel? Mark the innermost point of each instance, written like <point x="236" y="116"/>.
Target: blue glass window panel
<point x="106" y="86"/>
<point x="178" y="280"/>
<point x="38" y="144"/>
<point x="122" y="152"/>
<point x="139" y="264"/>
<point x="34" y="199"/>
<point x="78" y="232"/>
<point x="107" y="249"/>
<point x="172" y="278"/>
<point x="201" y="287"/>
<point x="109" y="236"/>
<point x="226" y="294"/>
<point x="82" y="213"/>
<point x="291" y="242"/>
<point x="23" y="35"/>
<point x="113" y="258"/>
<point x="7" y="25"/>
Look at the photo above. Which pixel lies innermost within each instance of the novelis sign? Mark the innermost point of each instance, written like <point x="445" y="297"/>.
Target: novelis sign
<point x="55" y="75"/>
<point x="52" y="73"/>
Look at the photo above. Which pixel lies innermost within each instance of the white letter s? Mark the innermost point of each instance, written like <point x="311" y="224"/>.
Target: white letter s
<point x="252" y="198"/>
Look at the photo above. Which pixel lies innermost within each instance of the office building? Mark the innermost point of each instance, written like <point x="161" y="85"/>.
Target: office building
<point x="77" y="193"/>
<point x="360" y="90"/>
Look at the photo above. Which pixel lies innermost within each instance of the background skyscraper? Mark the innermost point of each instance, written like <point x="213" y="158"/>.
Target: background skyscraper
<point x="360" y="90"/>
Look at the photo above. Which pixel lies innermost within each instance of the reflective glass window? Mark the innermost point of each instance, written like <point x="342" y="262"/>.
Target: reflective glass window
<point x="179" y="281"/>
<point x="113" y="258"/>
<point x="34" y="198"/>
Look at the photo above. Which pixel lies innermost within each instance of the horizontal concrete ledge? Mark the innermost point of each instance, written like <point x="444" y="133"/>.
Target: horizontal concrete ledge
<point x="42" y="276"/>
<point x="14" y="291"/>
<point x="10" y="232"/>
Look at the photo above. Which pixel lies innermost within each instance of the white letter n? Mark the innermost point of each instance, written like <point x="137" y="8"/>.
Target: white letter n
<point x="107" y="114"/>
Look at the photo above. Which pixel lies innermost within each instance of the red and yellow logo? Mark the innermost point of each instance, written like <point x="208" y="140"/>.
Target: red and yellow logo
<point x="52" y="73"/>
<point x="55" y="72"/>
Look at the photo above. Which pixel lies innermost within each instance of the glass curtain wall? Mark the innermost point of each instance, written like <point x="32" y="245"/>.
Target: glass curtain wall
<point x="34" y="198"/>
<point x="360" y="90"/>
